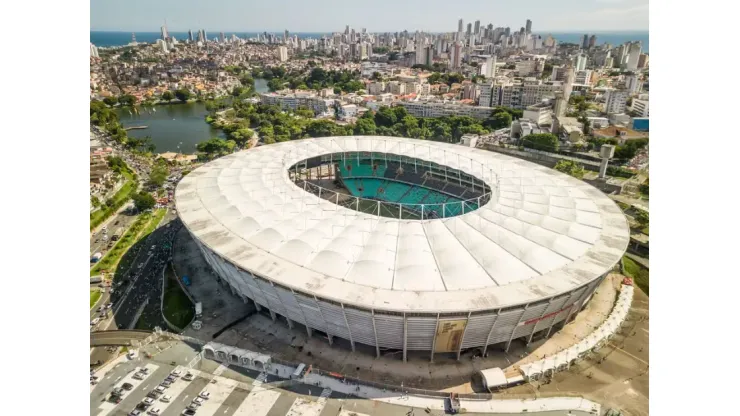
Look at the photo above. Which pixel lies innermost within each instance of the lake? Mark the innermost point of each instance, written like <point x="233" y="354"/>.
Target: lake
<point x="174" y="125"/>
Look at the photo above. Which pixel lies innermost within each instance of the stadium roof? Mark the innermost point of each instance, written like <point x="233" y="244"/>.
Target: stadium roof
<point x="543" y="233"/>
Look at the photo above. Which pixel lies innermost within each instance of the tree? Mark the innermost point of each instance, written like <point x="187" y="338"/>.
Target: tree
<point x="541" y="141"/>
<point x="183" y="94"/>
<point x="642" y="218"/>
<point x="247" y="80"/>
<point x="127" y="100"/>
<point x="159" y="173"/>
<point x="571" y="168"/>
<point x="435" y="78"/>
<point x="376" y="76"/>
<point x="95" y="201"/>
<point x="143" y="201"/>
<point x="168" y="96"/>
<point x="237" y="91"/>
<point x="365" y="126"/>
<point x="385" y="117"/>
<point x="498" y="120"/>
<point x="110" y="101"/>
<point x="216" y="146"/>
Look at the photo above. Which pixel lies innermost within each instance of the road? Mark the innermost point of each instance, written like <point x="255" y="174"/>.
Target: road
<point x="141" y="273"/>
<point x="117" y="337"/>
<point x="120" y="220"/>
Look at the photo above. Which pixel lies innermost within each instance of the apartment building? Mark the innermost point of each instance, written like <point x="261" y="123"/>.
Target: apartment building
<point x="437" y="109"/>
<point x="615" y="101"/>
<point x="641" y="107"/>
<point x="375" y="88"/>
<point x="522" y="95"/>
<point x="397" y="88"/>
<point x="296" y="100"/>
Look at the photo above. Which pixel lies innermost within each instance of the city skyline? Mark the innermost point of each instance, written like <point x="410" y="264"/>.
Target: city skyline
<point x="234" y="16"/>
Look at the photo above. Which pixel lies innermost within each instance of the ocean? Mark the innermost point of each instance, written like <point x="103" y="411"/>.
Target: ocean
<point x="105" y="39"/>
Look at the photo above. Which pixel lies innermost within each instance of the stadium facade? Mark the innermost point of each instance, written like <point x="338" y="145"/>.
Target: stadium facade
<point x="403" y="244"/>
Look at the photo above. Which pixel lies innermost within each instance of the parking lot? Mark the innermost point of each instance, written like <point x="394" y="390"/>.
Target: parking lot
<point x="236" y="390"/>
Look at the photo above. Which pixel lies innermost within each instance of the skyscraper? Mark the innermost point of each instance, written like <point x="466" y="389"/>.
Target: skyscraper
<point x="490" y="67"/>
<point x="165" y="35"/>
<point x="282" y="53"/>
<point x="285" y="35"/>
<point x="470" y="27"/>
<point x="476" y="29"/>
<point x="94" y="51"/>
<point x="592" y="41"/>
<point x="460" y="26"/>
<point x="562" y="98"/>
<point x="581" y="61"/>
<point x="190" y="35"/>
<point x="221" y="37"/>
<point x="201" y="36"/>
<point x="584" y="44"/>
<point x="529" y="26"/>
<point x="634" y="55"/>
<point x="456" y="55"/>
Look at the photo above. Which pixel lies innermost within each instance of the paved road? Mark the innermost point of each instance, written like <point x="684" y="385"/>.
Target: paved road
<point x="119" y="337"/>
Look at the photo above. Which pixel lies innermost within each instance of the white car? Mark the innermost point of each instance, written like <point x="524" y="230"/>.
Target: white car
<point x="154" y="412"/>
<point x="148" y="401"/>
<point x="198" y="400"/>
<point x="138" y="376"/>
<point x="205" y="395"/>
<point x="94" y="321"/>
<point x="166" y="398"/>
<point x="159" y="390"/>
<point x="176" y="373"/>
<point x="131" y="355"/>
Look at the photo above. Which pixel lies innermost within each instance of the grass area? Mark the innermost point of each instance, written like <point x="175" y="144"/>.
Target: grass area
<point x="120" y="198"/>
<point x="638" y="273"/>
<point x="94" y="296"/>
<point x="646" y="230"/>
<point x="177" y="306"/>
<point x="156" y="219"/>
<point x="111" y="258"/>
<point x="146" y="222"/>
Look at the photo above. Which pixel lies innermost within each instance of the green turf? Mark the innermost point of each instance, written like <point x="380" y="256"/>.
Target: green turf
<point x="638" y="273"/>
<point x="94" y="296"/>
<point x="111" y="258"/>
<point x="177" y="306"/>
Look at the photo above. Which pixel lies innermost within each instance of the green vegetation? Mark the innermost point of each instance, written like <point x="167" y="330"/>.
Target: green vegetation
<point x="571" y="168"/>
<point x="619" y="172"/>
<point x="381" y="49"/>
<point x="111" y="258"/>
<point x="127" y="100"/>
<point x="110" y="101"/>
<point x="639" y="274"/>
<point x="114" y="204"/>
<point x="448" y="78"/>
<point x="183" y="94"/>
<point x="177" y="307"/>
<point x="94" y="296"/>
<point x="168" y="96"/>
<point x="159" y="173"/>
<point x="143" y="201"/>
<point x="541" y="141"/>
<point x="216" y="147"/>
<point x="154" y="222"/>
<point x="318" y="78"/>
<point x="642" y="218"/>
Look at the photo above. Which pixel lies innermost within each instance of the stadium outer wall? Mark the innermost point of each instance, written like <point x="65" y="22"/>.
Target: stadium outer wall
<point x="389" y="329"/>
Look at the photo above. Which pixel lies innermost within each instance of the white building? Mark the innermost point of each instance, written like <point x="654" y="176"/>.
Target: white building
<point x="525" y="68"/>
<point x="282" y="53"/>
<point x="490" y="70"/>
<point x="431" y="109"/>
<point x="634" y="56"/>
<point x="376" y="87"/>
<point x="581" y="61"/>
<point x="94" y="51"/>
<point x="486" y="93"/>
<point x="641" y="107"/>
<point x="456" y="55"/>
<point x="349" y="110"/>
<point x="633" y="84"/>
<point x="413" y="88"/>
<point x="615" y="101"/>
<point x="397" y="88"/>
<point x="540" y="113"/>
<point x="522" y="95"/>
<point x="296" y="100"/>
<point x="584" y="77"/>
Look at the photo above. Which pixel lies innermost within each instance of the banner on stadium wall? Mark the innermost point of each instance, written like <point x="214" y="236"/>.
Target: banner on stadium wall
<point x="549" y="315"/>
<point x="449" y="335"/>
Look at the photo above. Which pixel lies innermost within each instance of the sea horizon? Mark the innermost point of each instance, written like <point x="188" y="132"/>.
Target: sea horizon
<point x="106" y="38"/>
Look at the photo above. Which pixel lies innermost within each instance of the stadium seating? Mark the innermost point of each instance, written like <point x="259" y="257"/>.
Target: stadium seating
<point x="393" y="191"/>
<point x="415" y="195"/>
<point x="350" y="168"/>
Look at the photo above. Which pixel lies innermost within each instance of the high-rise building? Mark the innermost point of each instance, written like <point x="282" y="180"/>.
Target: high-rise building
<point x="562" y="97"/>
<point x="165" y="35"/>
<point x="470" y="28"/>
<point x="94" y="51"/>
<point x="615" y="101"/>
<point x="476" y="28"/>
<point x="282" y="53"/>
<point x="633" y="84"/>
<point x="490" y="67"/>
<point x="634" y="55"/>
<point x="205" y="35"/>
<point x="201" y="37"/>
<point x="581" y="61"/>
<point x="529" y="26"/>
<point x="584" y="43"/>
<point x="643" y="61"/>
<point x="222" y="37"/>
<point x="456" y="55"/>
<point x="460" y="26"/>
<point x="486" y="93"/>
<point x="592" y="42"/>
<point x="286" y="34"/>
<point x="190" y="35"/>
<point x="346" y="30"/>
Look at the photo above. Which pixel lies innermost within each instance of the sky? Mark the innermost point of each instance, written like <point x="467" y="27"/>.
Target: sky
<point x="377" y="15"/>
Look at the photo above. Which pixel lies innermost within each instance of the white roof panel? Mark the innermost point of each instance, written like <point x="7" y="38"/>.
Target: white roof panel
<point x="541" y="234"/>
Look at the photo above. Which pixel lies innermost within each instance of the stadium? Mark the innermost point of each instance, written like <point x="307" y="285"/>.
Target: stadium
<point x="403" y="244"/>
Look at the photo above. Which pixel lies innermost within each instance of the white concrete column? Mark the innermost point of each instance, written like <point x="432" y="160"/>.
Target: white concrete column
<point x="346" y="322"/>
<point x="511" y="337"/>
<point x="493" y="325"/>
<point x="459" y="349"/>
<point x="375" y="331"/>
<point x="405" y="336"/>
<point x="544" y="312"/>
<point x="434" y="340"/>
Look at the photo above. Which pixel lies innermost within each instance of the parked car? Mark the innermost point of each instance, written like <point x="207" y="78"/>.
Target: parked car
<point x="188" y="377"/>
<point x="206" y="395"/>
<point x="166" y="398"/>
<point x="127" y="386"/>
<point x="154" y="411"/>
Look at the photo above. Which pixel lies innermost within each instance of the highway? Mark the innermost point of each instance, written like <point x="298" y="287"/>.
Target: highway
<point x="119" y="337"/>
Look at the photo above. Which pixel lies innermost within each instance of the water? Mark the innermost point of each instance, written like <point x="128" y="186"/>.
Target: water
<point x="612" y="38"/>
<point x="123" y="38"/>
<point x="171" y="125"/>
<point x="175" y="123"/>
<point x="104" y="38"/>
